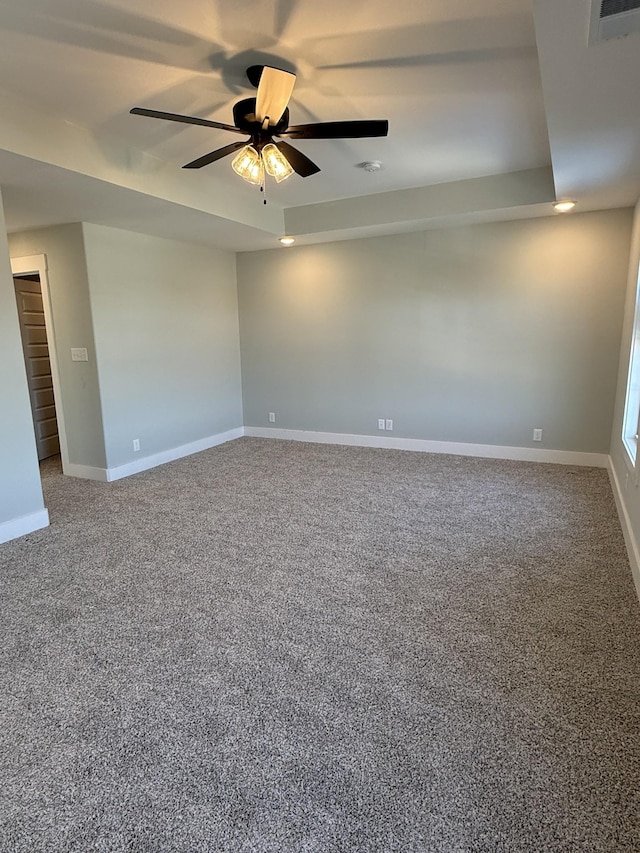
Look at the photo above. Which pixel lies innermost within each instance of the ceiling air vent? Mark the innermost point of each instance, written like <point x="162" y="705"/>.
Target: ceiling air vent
<point x="612" y="19"/>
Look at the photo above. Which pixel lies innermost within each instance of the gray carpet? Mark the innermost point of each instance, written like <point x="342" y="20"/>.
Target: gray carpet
<point x="274" y="646"/>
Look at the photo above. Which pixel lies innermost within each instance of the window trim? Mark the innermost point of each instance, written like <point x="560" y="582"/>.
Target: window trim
<point x="631" y="411"/>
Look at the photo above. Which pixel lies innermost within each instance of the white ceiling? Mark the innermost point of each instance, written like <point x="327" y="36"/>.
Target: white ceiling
<point x="472" y="90"/>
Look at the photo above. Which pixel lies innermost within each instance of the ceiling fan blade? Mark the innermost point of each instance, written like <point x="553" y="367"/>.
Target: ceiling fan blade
<point x="299" y="162"/>
<point x="274" y="91"/>
<point x="141" y="111"/>
<point x="212" y="156"/>
<point x="337" y="130"/>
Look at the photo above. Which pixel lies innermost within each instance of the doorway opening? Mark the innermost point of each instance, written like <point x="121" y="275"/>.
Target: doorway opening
<point x="38" y="344"/>
<point x="35" y="349"/>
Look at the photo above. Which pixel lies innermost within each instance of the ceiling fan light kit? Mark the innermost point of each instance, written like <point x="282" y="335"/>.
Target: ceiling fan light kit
<point x="264" y="117"/>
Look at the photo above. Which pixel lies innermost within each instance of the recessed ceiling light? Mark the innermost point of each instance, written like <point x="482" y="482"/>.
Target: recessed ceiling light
<point x="287" y="241"/>
<point x="564" y="206"/>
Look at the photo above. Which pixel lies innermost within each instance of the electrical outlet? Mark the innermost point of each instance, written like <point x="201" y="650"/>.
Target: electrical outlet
<point x="272" y="417"/>
<point x="381" y="423"/>
<point x="136" y="445"/>
<point x="388" y="424"/>
<point x="537" y="434"/>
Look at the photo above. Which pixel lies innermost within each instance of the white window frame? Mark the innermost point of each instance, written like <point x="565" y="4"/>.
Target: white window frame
<point x="631" y="415"/>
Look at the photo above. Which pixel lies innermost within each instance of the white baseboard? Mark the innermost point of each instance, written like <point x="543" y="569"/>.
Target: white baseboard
<point x="625" y="522"/>
<point x="487" y="451"/>
<point x="165" y="456"/>
<point x="85" y="472"/>
<point x="23" y="525"/>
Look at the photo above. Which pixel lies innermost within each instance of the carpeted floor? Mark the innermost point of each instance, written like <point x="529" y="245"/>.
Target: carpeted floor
<point x="274" y="646"/>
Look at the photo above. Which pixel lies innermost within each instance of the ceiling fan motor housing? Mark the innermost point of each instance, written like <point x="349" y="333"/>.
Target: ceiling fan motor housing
<point x="244" y="117"/>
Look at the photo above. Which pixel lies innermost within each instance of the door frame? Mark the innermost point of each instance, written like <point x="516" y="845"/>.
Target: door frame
<point x="37" y="265"/>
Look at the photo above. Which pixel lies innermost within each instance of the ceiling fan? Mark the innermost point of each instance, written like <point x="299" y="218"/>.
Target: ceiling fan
<point x="264" y="117"/>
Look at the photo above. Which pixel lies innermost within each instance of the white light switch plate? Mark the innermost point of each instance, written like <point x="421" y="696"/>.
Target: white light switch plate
<point x="79" y="354"/>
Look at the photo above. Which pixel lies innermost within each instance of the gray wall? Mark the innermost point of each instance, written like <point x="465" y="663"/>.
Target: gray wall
<point x="68" y="285"/>
<point x="475" y="334"/>
<point x="20" y="490"/>
<point x="165" y="318"/>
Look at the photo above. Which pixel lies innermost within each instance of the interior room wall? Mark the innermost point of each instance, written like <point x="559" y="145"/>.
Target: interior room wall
<point x="165" y="318"/>
<point x="475" y="334"/>
<point x="627" y="486"/>
<point x="20" y="489"/>
<point x="63" y="246"/>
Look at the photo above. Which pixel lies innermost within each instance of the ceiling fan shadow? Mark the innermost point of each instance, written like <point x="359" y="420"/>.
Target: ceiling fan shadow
<point x="437" y="42"/>
<point x="96" y="26"/>
<point x="283" y="11"/>
<point x="234" y="69"/>
<point x="459" y="57"/>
